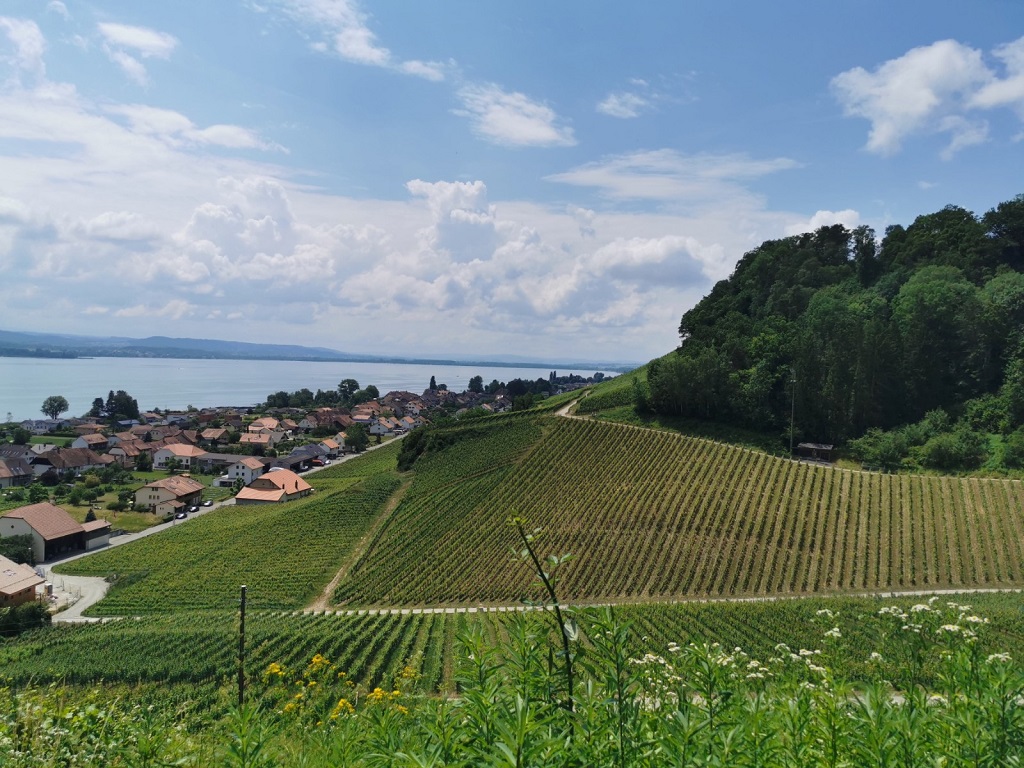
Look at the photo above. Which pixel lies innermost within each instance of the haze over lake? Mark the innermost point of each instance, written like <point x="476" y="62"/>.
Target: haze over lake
<point x="170" y="383"/>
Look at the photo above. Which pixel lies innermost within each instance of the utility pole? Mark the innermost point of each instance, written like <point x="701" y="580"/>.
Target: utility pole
<point x="241" y="651"/>
<point x="792" y="409"/>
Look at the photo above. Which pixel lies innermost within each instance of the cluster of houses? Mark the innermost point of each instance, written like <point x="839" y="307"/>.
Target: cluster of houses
<point x="189" y="443"/>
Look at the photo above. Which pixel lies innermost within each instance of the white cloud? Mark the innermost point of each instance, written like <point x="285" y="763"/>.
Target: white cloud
<point x="177" y="130"/>
<point x="623" y="104"/>
<point x="512" y="119"/>
<point x="348" y="35"/>
<point x="1008" y="92"/>
<point x="175" y="309"/>
<point x="932" y="90"/>
<point x="670" y="176"/>
<point x="28" y="43"/>
<point x="144" y="41"/>
<point x="56" y="6"/>
<point x="848" y="217"/>
<point x="118" y="39"/>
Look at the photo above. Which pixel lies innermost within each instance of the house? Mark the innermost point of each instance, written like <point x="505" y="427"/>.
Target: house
<point x="87" y="428"/>
<point x="246" y="469"/>
<point x="40" y="426"/>
<point x="15" y="451"/>
<point x="94" y="441"/>
<point x="169" y="495"/>
<point x="71" y="460"/>
<point x="15" y="472"/>
<point x="210" y="463"/>
<point x="187" y="455"/>
<point x="18" y="583"/>
<point x="214" y="435"/>
<point x="54" y="532"/>
<point x="380" y="427"/>
<point x="333" y="447"/>
<point x="276" y="486"/>
<point x="266" y="424"/>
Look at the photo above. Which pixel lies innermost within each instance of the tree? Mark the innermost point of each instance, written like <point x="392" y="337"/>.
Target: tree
<point x="54" y="406"/>
<point x="476" y="384"/>
<point x="37" y="493"/>
<point x="372" y="391"/>
<point x="346" y="389"/>
<point x="357" y="438"/>
<point x="433" y="383"/>
<point x="21" y="436"/>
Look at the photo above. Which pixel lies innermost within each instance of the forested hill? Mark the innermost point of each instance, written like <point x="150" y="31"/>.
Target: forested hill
<point x="875" y="334"/>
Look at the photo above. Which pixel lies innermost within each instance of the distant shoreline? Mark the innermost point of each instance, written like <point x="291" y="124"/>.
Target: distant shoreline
<point x="55" y="355"/>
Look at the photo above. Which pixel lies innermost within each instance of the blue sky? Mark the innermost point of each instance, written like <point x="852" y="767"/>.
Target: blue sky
<point x="547" y="180"/>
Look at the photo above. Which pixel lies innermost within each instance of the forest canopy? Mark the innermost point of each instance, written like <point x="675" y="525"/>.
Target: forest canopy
<point x="848" y="335"/>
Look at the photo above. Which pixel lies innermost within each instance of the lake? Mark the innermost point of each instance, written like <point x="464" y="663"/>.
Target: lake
<point x="165" y="383"/>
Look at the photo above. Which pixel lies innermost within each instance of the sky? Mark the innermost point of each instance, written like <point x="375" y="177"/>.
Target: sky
<point x="545" y="180"/>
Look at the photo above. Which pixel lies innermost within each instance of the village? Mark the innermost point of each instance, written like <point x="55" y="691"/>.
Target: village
<point x="193" y="459"/>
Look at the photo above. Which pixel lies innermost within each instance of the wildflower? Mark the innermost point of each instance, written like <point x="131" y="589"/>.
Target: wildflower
<point x="834" y="633"/>
<point x="343" y="707"/>
<point x="826" y="613"/>
<point x="920" y="608"/>
<point x="402" y="710"/>
<point x="876" y="656"/>
<point x="1003" y="657"/>
<point x="975" y="620"/>
<point x="935" y="700"/>
<point x="951" y="628"/>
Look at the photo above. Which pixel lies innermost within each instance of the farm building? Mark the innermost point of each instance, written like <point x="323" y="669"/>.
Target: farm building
<point x="54" y="532"/>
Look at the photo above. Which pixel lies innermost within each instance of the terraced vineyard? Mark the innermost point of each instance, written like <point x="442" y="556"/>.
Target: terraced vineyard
<point x="656" y="515"/>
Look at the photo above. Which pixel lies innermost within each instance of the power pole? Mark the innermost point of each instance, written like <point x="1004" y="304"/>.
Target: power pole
<point x="241" y="651"/>
<point x="792" y="410"/>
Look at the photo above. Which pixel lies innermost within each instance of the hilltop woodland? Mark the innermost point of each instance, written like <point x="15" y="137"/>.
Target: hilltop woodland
<point x="907" y="350"/>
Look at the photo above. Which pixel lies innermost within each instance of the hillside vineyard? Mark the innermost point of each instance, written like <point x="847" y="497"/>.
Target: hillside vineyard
<point x="657" y="515"/>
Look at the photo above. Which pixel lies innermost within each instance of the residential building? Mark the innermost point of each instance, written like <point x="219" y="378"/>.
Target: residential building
<point x="276" y="486"/>
<point x="19" y="583"/>
<point x="169" y="495"/>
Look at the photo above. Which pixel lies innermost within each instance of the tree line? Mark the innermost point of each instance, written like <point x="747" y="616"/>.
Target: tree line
<point x="841" y="335"/>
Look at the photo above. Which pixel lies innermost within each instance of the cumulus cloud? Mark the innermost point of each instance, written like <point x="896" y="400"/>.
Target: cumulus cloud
<point x="512" y="119"/>
<point x="175" y="309"/>
<point x="123" y="44"/>
<point x="348" y="35"/>
<point x="932" y="90"/>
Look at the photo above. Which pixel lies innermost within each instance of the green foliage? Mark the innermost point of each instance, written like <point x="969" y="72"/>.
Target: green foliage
<point x="22" y="618"/>
<point x="357" y="438"/>
<point x="643" y="701"/>
<point x="875" y="336"/>
<point x="54" y="406"/>
<point x="18" y="548"/>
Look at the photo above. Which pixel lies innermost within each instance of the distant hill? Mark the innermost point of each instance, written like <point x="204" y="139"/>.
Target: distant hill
<point x="26" y="344"/>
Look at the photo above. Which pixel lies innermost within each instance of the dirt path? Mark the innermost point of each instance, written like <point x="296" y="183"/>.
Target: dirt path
<point x="323" y="602"/>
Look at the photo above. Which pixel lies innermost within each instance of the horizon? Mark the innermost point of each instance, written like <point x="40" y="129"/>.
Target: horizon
<point x="407" y="180"/>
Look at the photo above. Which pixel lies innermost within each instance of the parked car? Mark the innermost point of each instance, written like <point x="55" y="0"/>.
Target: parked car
<point x="208" y="503"/>
<point x="181" y="515"/>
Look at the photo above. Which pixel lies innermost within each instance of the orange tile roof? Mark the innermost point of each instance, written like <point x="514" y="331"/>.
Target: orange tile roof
<point x="178" y="485"/>
<point x="255" y="494"/>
